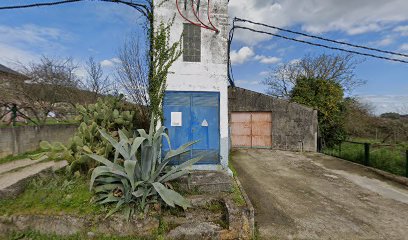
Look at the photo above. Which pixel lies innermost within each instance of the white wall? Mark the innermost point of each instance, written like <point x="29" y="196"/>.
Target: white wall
<point x="211" y="73"/>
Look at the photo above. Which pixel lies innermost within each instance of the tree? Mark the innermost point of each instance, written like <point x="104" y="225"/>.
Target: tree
<point x="327" y="98"/>
<point x="336" y="68"/>
<point x="96" y="82"/>
<point x="132" y="74"/>
<point x="46" y="84"/>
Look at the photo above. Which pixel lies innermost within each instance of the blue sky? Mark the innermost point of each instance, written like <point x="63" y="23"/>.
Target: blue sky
<point x="81" y="30"/>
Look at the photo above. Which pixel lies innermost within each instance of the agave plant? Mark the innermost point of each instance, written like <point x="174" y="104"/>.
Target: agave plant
<point x="138" y="173"/>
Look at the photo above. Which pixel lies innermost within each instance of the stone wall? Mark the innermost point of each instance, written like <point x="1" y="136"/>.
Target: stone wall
<point x="17" y="140"/>
<point x="294" y="126"/>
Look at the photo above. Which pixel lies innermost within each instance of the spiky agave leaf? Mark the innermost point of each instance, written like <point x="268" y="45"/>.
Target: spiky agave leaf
<point x="171" y="197"/>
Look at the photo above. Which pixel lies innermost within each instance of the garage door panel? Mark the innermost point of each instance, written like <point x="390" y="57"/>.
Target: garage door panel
<point x="262" y="117"/>
<point x="261" y="129"/>
<point x="240" y="118"/>
<point x="251" y="129"/>
<point x="239" y="129"/>
<point x="261" y="141"/>
<point x="241" y="141"/>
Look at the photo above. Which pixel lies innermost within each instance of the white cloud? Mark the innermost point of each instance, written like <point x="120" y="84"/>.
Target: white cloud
<point x="242" y="55"/>
<point x="267" y="60"/>
<point x="294" y="61"/>
<point x="26" y="43"/>
<point x="404" y="47"/>
<point x="263" y="73"/>
<point x="11" y="55"/>
<point x="384" y="42"/>
<point x="320" y="16"/>
<point x="387" y="103"/>
<point x="403" y="30"/>
<point x="110" y="62"/>
<point x="247" y="82"/>
<point x="30" y="33"/>
<point x="81" y="72"/>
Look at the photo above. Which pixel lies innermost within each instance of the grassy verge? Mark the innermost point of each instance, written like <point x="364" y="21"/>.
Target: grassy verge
<point x="54" y="195"/>
<point x="236" y="192"/>
<point x="11" y="158"/>
<point x="390" y="158"/>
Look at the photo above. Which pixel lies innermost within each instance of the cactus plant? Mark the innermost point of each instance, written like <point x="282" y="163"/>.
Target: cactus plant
<point x="108" y="114"/>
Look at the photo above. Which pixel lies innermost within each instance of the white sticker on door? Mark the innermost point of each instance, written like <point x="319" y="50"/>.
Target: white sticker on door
<point x="176" y="119"/>
<point x="205" y="123"/>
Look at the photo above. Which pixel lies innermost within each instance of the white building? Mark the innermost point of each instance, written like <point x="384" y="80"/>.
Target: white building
<point x="196" y="101"/>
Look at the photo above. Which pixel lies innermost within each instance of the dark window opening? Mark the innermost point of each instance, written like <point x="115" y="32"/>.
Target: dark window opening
<point x="191" y="43"/>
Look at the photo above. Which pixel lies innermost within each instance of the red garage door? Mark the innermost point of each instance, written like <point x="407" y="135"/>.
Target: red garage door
<point x="251" y="129"/>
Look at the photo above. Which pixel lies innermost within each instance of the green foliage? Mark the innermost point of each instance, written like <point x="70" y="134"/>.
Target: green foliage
<point x="163" y="55"/>
<point x="58" y="194"/>
<point x="137" y="174"/>
<point x="54" y="151"/>
<point x="389" y="158"/>
<point x="109" y="114"/>
<point x="327" y="97"/>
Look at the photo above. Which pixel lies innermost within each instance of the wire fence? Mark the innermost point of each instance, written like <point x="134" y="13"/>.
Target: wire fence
<point x="391" y="158"/>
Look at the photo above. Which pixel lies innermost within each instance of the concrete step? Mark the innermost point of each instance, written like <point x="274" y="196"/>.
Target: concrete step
<point x="14" y="182"/>
<point x="10" y="166"/>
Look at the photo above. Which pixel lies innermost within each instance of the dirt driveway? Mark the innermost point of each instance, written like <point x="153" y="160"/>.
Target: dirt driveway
<point x="313" y="196"/>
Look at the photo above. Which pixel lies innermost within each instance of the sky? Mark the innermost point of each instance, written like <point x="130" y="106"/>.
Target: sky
<point x="97" y="29"/>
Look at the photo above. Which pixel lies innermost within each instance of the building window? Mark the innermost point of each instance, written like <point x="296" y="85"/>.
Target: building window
<point x="191" y="43"/>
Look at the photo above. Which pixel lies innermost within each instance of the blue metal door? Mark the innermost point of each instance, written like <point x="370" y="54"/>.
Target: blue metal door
<point x="195" y="118"/>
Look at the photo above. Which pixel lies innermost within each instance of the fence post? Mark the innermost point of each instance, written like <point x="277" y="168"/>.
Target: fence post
<point x="406" y="163"/>
<point x="366" y="154"/>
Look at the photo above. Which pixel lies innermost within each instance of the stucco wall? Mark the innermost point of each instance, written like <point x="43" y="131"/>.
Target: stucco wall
<point x="211" y="73"/>
<point x="16" y="140"/>
<point x="292" y="124"/>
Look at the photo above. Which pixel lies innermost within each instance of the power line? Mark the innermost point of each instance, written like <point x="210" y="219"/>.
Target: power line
<point x="38" y="4"/>
<point x="322" y="45"/>
<point x="322" y="38"/>
<point x="143" y="8"/>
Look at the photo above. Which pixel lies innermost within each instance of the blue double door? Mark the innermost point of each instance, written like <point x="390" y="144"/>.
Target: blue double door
<point x="193" y="116"/>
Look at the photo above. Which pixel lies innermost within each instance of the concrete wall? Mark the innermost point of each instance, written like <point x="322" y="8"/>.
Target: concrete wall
<point x="17" y="140"/>
<point x="292" y="124"/>
<point x="211" y="73"/>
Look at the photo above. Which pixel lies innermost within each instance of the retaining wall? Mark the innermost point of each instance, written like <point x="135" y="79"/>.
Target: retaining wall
<point x="17" y="140"/>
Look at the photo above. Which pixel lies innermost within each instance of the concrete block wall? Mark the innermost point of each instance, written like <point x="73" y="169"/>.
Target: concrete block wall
<point x="292" y="124"/>
<point x="17" y="140"/>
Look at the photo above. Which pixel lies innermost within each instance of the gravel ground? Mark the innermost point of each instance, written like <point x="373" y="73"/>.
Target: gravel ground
<point x="314" y="196"/>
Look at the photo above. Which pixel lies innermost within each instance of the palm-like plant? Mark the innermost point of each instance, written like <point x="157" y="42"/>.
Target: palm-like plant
<point x="138" y="174"/>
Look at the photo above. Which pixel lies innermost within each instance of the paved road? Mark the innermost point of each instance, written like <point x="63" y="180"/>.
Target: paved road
<point x="313" y="196"/>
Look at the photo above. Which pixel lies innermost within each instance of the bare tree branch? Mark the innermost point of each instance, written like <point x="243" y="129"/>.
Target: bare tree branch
<point x="337" y="68"/>
<point x="132" y="73"/>
<point x="96" y="82"/>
